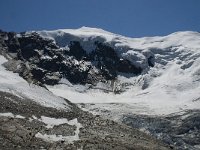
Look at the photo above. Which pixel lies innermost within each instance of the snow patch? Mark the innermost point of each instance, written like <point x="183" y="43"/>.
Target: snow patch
<point x="11" y="115"/>
<point x="51" y="122"/>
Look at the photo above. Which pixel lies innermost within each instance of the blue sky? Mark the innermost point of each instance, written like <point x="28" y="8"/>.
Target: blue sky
<point x="134" y="18"/>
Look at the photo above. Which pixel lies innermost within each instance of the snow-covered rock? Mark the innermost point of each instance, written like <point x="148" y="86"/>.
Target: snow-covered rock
<point x="169" y="81"/>
<point x="12" y="83"/>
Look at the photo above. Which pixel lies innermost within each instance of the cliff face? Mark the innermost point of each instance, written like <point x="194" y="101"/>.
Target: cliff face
<point x="48" y="63"/>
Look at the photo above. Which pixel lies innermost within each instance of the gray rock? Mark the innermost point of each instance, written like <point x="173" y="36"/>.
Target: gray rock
<point x="96" y="133"/>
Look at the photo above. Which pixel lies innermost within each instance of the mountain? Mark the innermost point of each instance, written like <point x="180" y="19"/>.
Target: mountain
<point x="151" y="84"/>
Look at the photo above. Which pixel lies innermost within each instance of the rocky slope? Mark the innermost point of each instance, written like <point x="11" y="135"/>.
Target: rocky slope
<point x="25" y="124"/>
<point x="180" y="129"/>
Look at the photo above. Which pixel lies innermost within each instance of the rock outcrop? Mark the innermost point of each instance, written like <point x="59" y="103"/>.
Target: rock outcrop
<point x="47" y="63"/>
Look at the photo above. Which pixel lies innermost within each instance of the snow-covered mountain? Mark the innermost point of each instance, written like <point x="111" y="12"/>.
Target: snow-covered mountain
<point x="154" y="81"/>
<point x="164" y="76"/>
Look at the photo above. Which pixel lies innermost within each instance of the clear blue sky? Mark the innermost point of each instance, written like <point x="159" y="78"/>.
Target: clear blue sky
<point x="134" y="18"/>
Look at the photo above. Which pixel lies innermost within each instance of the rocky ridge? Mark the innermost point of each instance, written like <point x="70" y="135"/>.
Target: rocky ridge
<point x="41" y="60"/>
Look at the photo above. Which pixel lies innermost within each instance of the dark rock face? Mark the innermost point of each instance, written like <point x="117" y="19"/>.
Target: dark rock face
<point x="106" y="60"/>
<point x="151" y="61"/>
<point x="44" y="59"/>
<point x="32" y="45"/>
<point x="76" y="50"/>
<point x="126" y="67"/>
<point x="109" y="63"/>
<point x="12" y="42"/>
<point x="38" y="73"/>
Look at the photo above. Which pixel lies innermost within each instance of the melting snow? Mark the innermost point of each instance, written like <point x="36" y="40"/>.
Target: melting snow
<point x="55" y="138"/>
<point x="51" y="122"/>
<point x="11" y="115"/>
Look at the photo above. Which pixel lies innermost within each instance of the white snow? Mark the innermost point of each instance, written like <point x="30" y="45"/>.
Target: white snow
<point x="173" y="84"/>
<point x="12" y="83"/>
<point x="11" y="115"/>
<point x="83" y="32"/>
<point x="46" y="57"/>
<point x="51" y="122"/>
<point x="134" y="49"/>
<point x="55" y="138"/>
<point x="161" y="97"/>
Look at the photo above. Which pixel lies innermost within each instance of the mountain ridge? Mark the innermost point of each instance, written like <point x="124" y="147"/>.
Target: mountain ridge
<point x="123" y="79"/>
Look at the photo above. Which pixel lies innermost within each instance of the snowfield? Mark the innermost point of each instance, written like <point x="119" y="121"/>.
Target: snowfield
<point x="172" y="85"/>
<point x="12" y="83"/>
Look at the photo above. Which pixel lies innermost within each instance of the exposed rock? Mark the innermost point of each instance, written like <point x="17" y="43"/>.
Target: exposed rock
<point x="45" y="58"/>
<point x="151" y="61"/>
<point x="14" y="65"/>
<point x="38" y="73"/>
<point x="125" y="66"/>
<point x="109" y="62"/>
<point x="52" y="79"/>
<point x="76" y="50"/>
<point x="23" y="132"/>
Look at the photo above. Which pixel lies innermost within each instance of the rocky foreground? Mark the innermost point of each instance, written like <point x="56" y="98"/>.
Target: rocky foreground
<point x="23" y="126"/>
<point x="181" y="129"/>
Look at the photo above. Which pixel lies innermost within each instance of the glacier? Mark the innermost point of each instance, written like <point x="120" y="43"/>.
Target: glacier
<point x="170" y="86"/>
